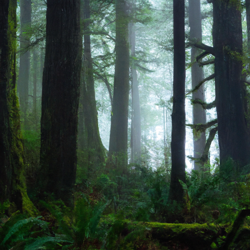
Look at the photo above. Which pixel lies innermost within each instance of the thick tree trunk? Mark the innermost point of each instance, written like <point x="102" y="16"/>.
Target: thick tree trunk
<point x="24" y="69"/>
<point x="94" y="149"/>
<point x="60" y="99"/>
<point x="230" y="91"/>
<point x="136" y="112"/>
<point x="12" y="181"/>
<point x="199" y="114"/>
<point x="5" y="142"/>
<point x="178" y="115"/>
<point x="119" y="119"/>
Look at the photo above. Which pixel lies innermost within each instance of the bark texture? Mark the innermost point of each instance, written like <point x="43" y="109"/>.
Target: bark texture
<point x="60" y="97"/>
<point x="119" y="118"/>
<point x="12" y="182"/>
<point x="24" y="69"/>
<point x="178" y="115"/>
<point x="199" y="114"/>
<point x="230" y="90"/>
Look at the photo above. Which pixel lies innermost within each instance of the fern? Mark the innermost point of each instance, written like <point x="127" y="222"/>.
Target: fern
<point x="39" y="242"/>
<point x="17" y="227"/>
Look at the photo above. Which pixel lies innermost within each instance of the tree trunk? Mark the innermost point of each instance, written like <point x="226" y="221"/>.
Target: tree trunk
<point x="24" y="69"/>
<point x="248" y="23"/>
<point x="12" y="180"/>
<point x="136" y="112"/>
<point x="35" y="71"/>
<point x="230" y="91"/>
<point x="199" y="114"/>
<point x="95" y="149"/>
<point x="119" y="119"/>
<point x="60" y="99"/>
<point x="178" y="115"/>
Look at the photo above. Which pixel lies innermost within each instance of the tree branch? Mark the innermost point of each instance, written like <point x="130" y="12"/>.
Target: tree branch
<point x="199" y="45"/>
<point x="204" y="104"/>
<point x="202" y="127"/>
<point x="207" y="62"/>
<point x="204" y="157"/>
<point x="198" y="86"/>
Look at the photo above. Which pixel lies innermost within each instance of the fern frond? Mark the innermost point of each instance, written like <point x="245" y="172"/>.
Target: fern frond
<point x="39" y="242"/>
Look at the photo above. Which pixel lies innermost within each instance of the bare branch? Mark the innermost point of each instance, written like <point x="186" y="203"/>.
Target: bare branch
<point x="204" y="157"/>
<point x="199" y="45"/>
<point x="199" y="85"/>
<point x="207" y="62"/>
<point x="204" y="104"/>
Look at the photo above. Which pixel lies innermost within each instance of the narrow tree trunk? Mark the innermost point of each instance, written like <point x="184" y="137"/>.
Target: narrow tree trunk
<point x="24" y="69"/>
<point x="119" y="119"/>
<point x="248" y="23"/>
<point x="60" y="99"/>
<point x="12" y="180"/>
<point x="178" y="115"/>
<point x="230" y="91"/>
<point x="35" y="71"/>
<point x="199" y="114"/>
<point x="136" y="113"/>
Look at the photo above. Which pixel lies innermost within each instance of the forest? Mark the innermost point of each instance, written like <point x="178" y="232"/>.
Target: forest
<point x="125" y="124"/>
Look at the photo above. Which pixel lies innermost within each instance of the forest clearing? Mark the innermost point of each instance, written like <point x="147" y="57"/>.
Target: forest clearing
<point x="124" y="124"/>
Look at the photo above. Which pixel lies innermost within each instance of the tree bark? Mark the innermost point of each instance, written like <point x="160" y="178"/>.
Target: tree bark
<point x="136" y="112"/>
<point x="178" y="115"/>
<point x="199" y="114"/>
<point x="119" y="119"/>
<point x="60" y="99"/>
<point x="12" y="180"/>
<point x="230" y="91"/>
<point x="24" y="69"/>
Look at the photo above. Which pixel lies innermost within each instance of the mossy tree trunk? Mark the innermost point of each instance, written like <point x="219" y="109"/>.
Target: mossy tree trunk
<point x="24" y="69"/>
<point x="230" y="90"/>
<point x="178" y="115"/>
<point x="118" y="144"/>
<point x="12" y="181"/>
<point x="60" y="99"/>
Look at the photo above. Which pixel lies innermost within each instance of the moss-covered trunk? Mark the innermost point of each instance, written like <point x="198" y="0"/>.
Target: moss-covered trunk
<point x="12" y="181"/>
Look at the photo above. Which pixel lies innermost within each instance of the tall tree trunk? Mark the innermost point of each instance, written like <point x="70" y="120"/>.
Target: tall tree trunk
<point x="12" y="180"/>
<point x="119" y="120"/>
<point x="24" y="69"/>
<point x="178" y="115"/>
<point x="199" y="114"/>
<point x="230" y="91"/>
<point x="60" y="99"/>
<point x="136" y="112"/>
<point x="95" y="149"/>
<point x="248" y="23"/>
<point x="35" y="71"/>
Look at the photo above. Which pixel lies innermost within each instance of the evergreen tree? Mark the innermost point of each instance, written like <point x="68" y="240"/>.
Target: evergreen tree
<point x="60" y="97"/>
